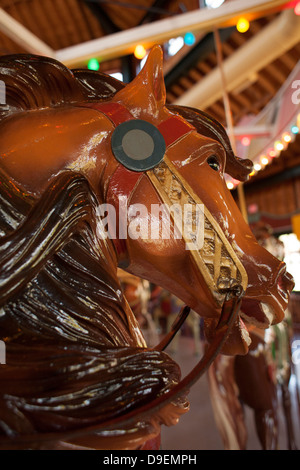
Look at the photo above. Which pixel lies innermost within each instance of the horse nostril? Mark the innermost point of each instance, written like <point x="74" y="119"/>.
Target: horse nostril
<point x="285" y="283"/>
<point x="290" y="283"/>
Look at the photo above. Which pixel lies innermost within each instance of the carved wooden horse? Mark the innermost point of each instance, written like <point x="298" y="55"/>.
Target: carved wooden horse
<point x="78" y="370"/>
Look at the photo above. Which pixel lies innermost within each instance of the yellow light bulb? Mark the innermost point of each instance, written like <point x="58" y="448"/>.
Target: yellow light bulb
<point x="242" y="25"/>
<point x="279" y="145"/>
<point x="257" y="167"/>
<point x="230" y="185"/>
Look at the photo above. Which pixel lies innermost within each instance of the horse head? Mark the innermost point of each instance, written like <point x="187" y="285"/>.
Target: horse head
<point x="180" y="159"/>
<point x="96" y="175"/>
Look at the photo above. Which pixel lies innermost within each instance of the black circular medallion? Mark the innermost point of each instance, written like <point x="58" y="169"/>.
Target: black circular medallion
<point x="138" y="145"/>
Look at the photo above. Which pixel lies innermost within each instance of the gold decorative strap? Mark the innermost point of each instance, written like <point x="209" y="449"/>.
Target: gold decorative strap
<point x="215" y="257"/>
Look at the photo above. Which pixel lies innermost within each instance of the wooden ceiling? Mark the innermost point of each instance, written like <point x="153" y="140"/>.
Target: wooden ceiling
<point x="287" y="160"/>
<point x="63" y="23"/>
<point x="255" y="96"/>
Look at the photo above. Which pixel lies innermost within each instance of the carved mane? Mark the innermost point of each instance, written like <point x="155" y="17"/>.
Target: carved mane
<point x="67" y="325"/>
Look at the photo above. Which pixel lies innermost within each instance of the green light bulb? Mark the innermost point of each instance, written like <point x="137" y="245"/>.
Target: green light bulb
<point x="93" y="64"/>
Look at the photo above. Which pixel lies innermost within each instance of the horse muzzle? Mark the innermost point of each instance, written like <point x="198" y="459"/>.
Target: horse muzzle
<point x="266" y="305"/>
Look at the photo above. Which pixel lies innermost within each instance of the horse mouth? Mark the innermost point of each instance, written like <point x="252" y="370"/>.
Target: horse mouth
<point x="218" y="263"/>
<point x="266" y="310"/>
<point x="238" y="340"/>
<point x="259" y="314"/>
<point x="239" y="337"/>
<point x="255" y="313"/>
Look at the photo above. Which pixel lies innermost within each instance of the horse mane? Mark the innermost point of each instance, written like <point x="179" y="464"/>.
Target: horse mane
<point x="34" y="82"/>
<point x="62" y="311"/>
<point x="53" y="241"/>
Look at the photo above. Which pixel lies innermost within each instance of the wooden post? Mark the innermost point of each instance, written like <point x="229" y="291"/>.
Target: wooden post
<point x="229" y="120"/>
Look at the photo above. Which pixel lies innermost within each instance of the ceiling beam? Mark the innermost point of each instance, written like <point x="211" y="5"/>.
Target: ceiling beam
<point x="202" y="20"/>
<point x="195" y="55"/>
<point x="22" y="36"/>
<point x="263" y="48"/>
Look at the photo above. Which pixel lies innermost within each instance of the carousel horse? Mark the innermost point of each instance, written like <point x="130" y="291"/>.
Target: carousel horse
<point x="138" y="294"/>
<point x="78" y="372"/>
<point x="255" y="379"/>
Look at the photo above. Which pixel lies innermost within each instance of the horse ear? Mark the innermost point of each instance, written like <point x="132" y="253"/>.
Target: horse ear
<point x="147" y="92"/>
<point x="152" y="73"/>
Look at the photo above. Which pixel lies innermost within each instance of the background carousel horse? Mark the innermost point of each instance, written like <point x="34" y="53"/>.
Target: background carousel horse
<point x="138" y="293"/>
<point x="78" y="371"/>
<point x="157" y="310"/>
<point x="168" y="307"/>
<point x="256" y="378"/>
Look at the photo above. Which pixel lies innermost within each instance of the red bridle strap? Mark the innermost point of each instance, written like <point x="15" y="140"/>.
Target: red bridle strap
<point x="116" y="112"/>
<point x="121" y="185"/>
<point x="173" y="128"/>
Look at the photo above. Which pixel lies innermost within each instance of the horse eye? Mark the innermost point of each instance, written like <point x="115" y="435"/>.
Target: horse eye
<point x="214" y="163"/>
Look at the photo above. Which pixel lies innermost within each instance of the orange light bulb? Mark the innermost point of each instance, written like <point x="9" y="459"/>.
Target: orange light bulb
<point x="139" y="51"/>
<point x="287" y="137"/>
